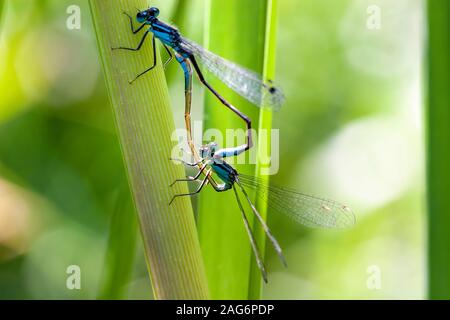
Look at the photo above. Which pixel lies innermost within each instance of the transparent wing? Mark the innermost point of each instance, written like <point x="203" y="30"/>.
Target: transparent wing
<point x="307" y="210"/>
<point x="245" y="82"/>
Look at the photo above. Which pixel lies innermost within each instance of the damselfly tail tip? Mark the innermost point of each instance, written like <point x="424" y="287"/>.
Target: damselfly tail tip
<point x="261" y="266"/>
<point x="283" y="261"/>
<point x="278" y="250"/>
<point x="264" y="276"/>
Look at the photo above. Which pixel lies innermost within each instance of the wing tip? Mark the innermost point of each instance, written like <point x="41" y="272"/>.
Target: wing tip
<point x="347" y="219"/>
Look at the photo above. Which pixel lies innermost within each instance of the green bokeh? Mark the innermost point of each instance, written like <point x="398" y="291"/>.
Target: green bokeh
<point x="351" y="130"/>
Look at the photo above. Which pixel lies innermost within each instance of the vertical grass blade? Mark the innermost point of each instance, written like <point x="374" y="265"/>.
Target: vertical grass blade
<point x="179" y="13"/>
<point x="264" y="145"/>
<point x="240" y="36"/>
<point x="178" y="18"/>
<point x="121" y="248"/>
<point x="145" y="124"/>
<point x="439" y="149"/>
<point x="2" y="4"/>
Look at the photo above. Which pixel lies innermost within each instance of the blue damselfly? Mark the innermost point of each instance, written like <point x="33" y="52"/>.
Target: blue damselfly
<point x="305" y="209"/>
<point x="247" y="83"/>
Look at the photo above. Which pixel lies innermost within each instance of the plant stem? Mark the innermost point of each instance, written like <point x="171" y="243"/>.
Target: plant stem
<point x="240" y="37"/>
<point x="438" y="149"/>
<point x="145" y="125"/>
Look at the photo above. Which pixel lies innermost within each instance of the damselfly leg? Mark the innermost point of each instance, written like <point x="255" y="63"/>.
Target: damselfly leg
<point x="139" y="48"/>
<point x="170" y="56"/>
<point x="191" y="164"/>
<point x="139" y="45"/>
<point x="194" y="178"/>
<point x="200" y="187"/>
<point x="132" y="26"/>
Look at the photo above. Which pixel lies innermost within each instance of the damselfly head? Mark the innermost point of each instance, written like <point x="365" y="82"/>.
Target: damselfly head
<point x="147" y="15"/>
<point x="208" y="150"/>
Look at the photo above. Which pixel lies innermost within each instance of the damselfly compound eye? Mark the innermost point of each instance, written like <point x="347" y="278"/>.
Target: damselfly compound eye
<point x="141" y="16"/>
<point x="154" y="12"/>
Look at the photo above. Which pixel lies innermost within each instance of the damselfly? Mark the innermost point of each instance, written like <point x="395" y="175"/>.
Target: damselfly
<point x="247" y="83"/>
<point x="307" y="210"/>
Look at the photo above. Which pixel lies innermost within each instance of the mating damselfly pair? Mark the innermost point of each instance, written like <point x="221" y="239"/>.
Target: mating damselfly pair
<point x="307" y="210"/>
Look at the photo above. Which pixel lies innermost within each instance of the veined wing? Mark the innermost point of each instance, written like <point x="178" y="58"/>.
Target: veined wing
<point x="243" y="81"/>
<point x="308" y="210"/>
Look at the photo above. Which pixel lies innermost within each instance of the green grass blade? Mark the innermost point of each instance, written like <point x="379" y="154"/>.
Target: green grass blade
<point x="178" y="18"/>
<point x="145" y="124"/>
<point x="439" y="149"/>
<point x="265" y="123"/>
<point x="2" y="4"/>
<point x="179" y="13"/>
<point x="121" y="248"/>
<point x="240" y="36"/>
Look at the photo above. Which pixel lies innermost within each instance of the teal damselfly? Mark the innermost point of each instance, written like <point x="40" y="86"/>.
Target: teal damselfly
<point x="245" y="82"/>
<point x="304" y="209"/>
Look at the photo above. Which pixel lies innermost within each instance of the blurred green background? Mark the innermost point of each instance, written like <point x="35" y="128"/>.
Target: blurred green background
<point x="351" y="130"/>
